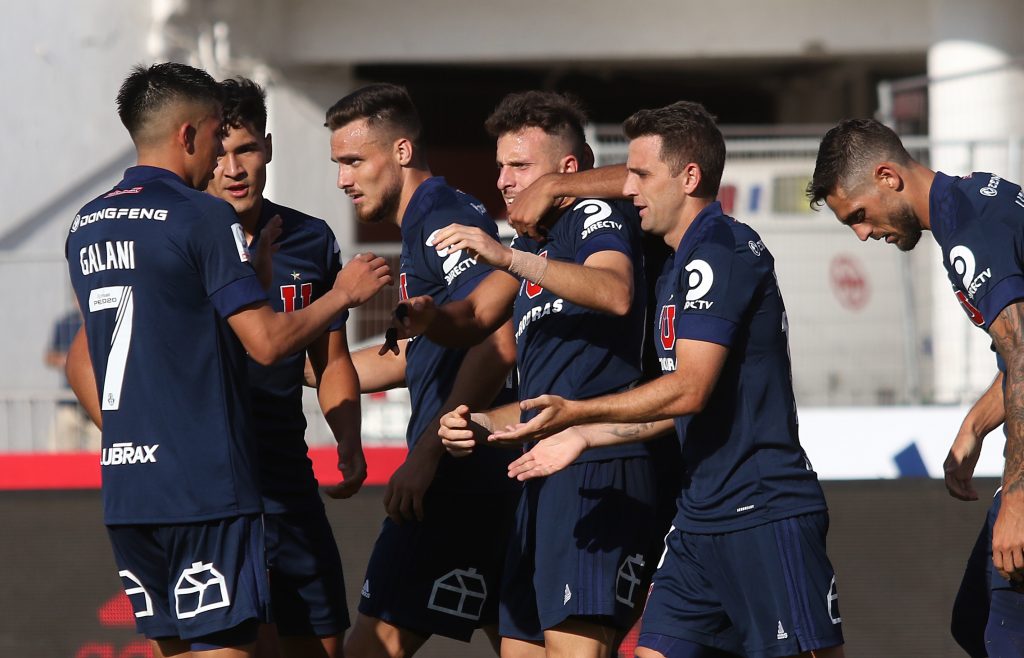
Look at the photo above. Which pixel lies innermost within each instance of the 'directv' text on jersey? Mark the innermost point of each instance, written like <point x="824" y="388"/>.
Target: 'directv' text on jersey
<point x="157" y="268"/>
<point x="744" y="462"/>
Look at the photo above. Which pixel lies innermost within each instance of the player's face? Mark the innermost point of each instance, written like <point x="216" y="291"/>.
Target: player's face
<point x="656" y="193"/>
<point x="369" y="171"/>
<point x="523" y="157"/>
<point x="876" y="212"/>
<point x="206" y="148"/>
<point x="241" y="172"/>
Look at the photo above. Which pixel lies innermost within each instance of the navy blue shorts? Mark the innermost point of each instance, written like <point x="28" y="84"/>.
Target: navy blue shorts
<point x="441" y="575"/>
<point x="193" y="580"/>
<point x="765" y="591"/>
<point x="584" y="546"/>
<point x="307" y="588"/>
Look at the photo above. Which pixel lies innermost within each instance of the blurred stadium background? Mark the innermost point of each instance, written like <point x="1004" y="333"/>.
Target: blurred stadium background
<point x="884" y="363"/>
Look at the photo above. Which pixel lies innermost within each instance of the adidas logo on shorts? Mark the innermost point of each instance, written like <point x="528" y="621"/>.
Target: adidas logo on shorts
<point x="567" y="595"/>
<point x="781" y="634"/>
<point x="365" y="592"/>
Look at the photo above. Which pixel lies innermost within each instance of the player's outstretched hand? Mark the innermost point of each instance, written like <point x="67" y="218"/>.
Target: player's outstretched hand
<point x="363" y="276"/>
<point x="530" y="212"/>
<point x="1008" y="535"/>
<point x="549" y="456"/>
<point x="266" y="247"/>
<point x="555" y="414"/>
<point x="461" y="431"/>
<point x="960" y="463"/>
<point x="456" y="237"/>
<point x="352" y="464"/>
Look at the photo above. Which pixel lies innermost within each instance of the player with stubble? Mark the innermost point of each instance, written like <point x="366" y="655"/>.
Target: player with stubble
<point x="865" y="176"/>
<point x="172" y="304"/>
<point x="744" y="569"/>
<point x="436" y="566"/>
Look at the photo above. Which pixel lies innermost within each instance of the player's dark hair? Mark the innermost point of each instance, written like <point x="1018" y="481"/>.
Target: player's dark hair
<point x="850" y="150"/>
<point x="559" y="115"/>
<point x="382" y="105"/>
<point x="148" y="90"/>
<point x="245" y="104"/>
<point x="688" y="134"/>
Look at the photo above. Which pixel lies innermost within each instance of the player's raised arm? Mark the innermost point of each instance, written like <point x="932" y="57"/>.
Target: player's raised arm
<point x="269" y="336"/>
<point x="987" y="414"/>
<point x="534" y="205"/>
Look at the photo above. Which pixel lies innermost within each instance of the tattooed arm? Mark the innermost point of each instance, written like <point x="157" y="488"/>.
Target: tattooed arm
<point x="1007" y="332"/>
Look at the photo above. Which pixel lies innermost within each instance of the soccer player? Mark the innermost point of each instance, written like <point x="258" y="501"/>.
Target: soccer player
<point x="867" y="178"/>
<point x="585" y="539"/>
<point x="171" y="304"/>
<point x="744" y="569"/>
<point x="307" y="589"/>
<point x="436" y="566"/>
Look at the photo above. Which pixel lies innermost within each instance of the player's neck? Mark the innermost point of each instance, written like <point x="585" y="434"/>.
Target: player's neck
<point x="250" y="219"/>
<point x="921" y="179"/>
<point x="155" y="158"/>
<point x="691" y="208"/>
<point x="412" y="178"/>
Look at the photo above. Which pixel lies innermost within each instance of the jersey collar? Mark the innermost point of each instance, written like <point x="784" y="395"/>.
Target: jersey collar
<point x="420" y="200"/>
<point x="941" y="205"/>
<point x="143" y="173"/>
<point x="694" y="230"/>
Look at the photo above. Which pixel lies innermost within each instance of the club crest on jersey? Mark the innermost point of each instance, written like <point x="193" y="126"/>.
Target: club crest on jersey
<point x="667" y="324"/>
<point x="532" y="289"/>
<point x="288" y="296"/>
<point x="403" y="287"/>
<point x="599" y="212"/>
<point x="699" y="282"/>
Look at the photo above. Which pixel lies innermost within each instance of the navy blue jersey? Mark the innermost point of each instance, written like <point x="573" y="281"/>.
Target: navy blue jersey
<point x="430" y="369"/>
<point x="304" y="268"/>
<point x="744" y="463"/>
<point x="575" y="352"/>
<point x="978" y="222"/>
<point x="157" y="267"/>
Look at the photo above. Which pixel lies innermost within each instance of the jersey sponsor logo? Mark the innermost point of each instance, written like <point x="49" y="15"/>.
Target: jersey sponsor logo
<point x="454" y="263"/>
<point x="538" y="312"/>
<point x="832" y="601"/>
<point x="131" y="190"/>
<point x="109" y="255"/>
<point x="288" y="296"/>
<point x="532" y="289"/>
<point x="699" y="282"/>
<point x="241" y="244"/>
<point x="156" y="214"/>
<point x="962" y="260"/>
<point x="756" y="247"/>
<point x="133" y="591"/>
<point x="599" y="212"/>
<point x="199" y="589"/>
<point x="128" y="453"/>
<point x="628" y="580"/>
<point x="992" y="188"/>
<point x="460" y="592"/>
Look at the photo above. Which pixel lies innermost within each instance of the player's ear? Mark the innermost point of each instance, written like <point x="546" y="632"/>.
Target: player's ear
<point x="268" y="141"/>
<point x="568" y="165"/>
<point x="404" y="151"/>
<point x="887" y="176"/>
<point x="186" y="137"/>
<point x="690" y="176"/>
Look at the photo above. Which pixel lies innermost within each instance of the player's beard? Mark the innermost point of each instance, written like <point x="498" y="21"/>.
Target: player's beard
<point x="386" y="210"/>
<point x="907" y="227"/>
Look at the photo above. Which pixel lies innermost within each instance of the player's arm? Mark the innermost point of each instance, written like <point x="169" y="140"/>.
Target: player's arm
<point x="604" y="282"/>
<point x="462" y="430"/>
<point x="478" y="381"/>
<point x="1007" y="332"/>
<point x="683" y="392"/>
<point x="462" y="322"/>
<point x="986" y="415"/>
<point x="269" y="336"/>
<point x="78" y="369"/>
<point x="380" y="372"/>
<point x="534" y="204"/>
<point x="338" y="394"/>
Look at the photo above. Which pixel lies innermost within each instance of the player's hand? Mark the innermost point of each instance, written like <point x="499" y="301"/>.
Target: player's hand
<point x="266" y="247"/>
<point x="1008" y="535"/>
<point x="480" y="245"/>
<point x="403" y="498"/>
<point x="352" y="465"/>
<point x="555" y="414"/>
<point x="531" y="212"/>
<point x="413" y="316"/>
<point x="362" y="277"/>
<point x="549" y="456"/>
<point x="960" y="463"/>
<point x="461" y="431"/>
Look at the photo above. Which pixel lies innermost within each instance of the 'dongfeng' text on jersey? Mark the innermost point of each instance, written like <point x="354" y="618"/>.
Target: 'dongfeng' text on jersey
<point x="157" y="267"/>
<point x="744" y="462"/>
<point x="566" y="349"/>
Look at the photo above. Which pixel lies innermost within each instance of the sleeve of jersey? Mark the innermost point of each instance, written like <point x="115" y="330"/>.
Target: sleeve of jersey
<point x="223" y="260"/>
<point x="716" y="286"/>
<point x="598" y="226"/>
<point x="332" y="262"/>
<point x="456" y="270"/>
<point x="1004" y="271"/>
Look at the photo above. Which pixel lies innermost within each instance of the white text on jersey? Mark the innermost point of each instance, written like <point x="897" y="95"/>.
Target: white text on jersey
<point x="536" y="313"/>
<point x="126" y="453"/>
<point x="109" y="255"/>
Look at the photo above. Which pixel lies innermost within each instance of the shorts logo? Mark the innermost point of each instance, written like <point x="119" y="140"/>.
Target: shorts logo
<point x="460" y="592"/>
<point x="699" y="283"/>
<point x="628" y="580"/>
<point x="365" y="592"/>
<point x="131" y="592"/>
<point x="532" y="289"/>
<point x="832" y="600"/>
<point x="199" y="589"/>
<point x="567" y="595"/>
<point x="667" y="324"/>
<point x="780" y="633"/>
